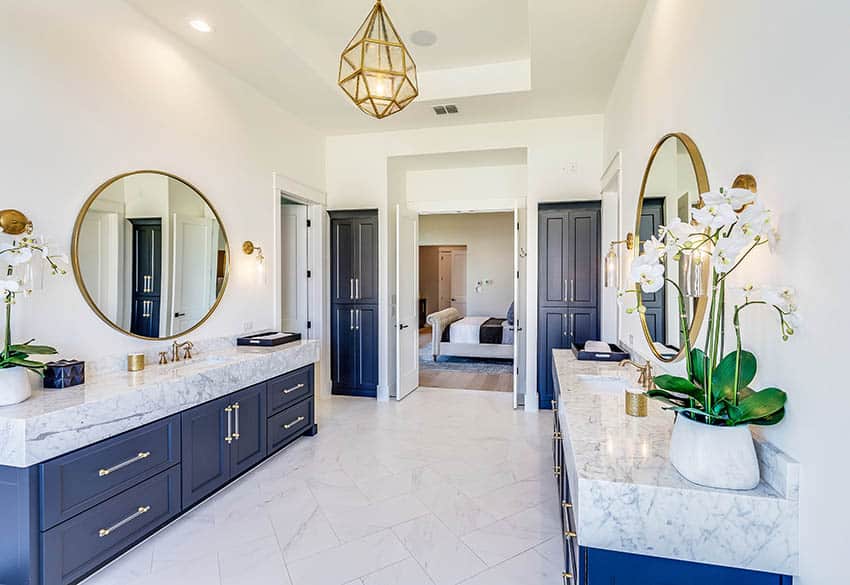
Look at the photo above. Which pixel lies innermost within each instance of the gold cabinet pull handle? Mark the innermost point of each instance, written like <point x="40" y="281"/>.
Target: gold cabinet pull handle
<point x="569" y="534"/>
<point x="293" y="389"/>
<point x="229" y="436"/>
<point x="566" y="504"/>
<point x="139" y="511"/>
<point x="567" y="576"/>
<point x="293" y="423"/>
<point x="236" y="418"/>
<point x="123" y="464"/>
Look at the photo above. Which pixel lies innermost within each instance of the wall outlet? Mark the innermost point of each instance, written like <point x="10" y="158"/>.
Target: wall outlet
<point x="247" y="326"/>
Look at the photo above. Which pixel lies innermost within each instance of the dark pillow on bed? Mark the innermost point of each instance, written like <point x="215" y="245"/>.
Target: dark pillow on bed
<point x="510" y="315"/>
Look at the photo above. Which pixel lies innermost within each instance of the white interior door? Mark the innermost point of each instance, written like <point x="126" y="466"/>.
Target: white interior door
<point x="458" y="280"/>
<point x="100" y="254"/>
<point x="407" y="288"/>
<point x="445" y="293"/>
<point x="193" y="274"/>
<point x="294" y="284"/>
<point x="516" y="308"/>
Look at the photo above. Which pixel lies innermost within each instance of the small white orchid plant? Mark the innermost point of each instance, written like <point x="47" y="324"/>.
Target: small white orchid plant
<point x="727" y="226"/>
<point x="16" y="257"/>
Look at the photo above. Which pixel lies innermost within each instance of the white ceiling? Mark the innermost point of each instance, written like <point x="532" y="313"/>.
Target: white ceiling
<point x="289" y="50"/>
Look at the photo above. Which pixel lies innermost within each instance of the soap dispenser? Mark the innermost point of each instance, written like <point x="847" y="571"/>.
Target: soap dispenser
<point x="636" y="400"/>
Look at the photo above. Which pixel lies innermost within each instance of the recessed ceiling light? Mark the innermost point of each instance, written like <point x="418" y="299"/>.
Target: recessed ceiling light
<point x="423" y="38"/>
<point x="200" y="25"/>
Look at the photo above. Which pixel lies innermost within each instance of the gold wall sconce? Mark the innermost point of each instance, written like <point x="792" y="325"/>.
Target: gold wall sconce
<point x="249" y="248"/>
<point x="611" y="264"/>
<point x="14" y="223"/>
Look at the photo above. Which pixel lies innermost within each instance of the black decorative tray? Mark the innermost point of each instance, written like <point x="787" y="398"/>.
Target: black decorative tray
<point x="268" y="339"/>
<point x="615" y="355"/>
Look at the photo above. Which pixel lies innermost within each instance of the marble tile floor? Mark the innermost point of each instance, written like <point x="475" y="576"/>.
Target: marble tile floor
<point x="446" y="487"/>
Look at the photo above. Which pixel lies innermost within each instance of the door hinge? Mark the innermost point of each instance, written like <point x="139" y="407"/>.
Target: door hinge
<point x="517" y="274"/>
<point x="309" y="274"/>
<point x="309" y="324"/>
<point x="309" y="223"/>
<point x="517" y="371"/>
<point x="517" y="226"/>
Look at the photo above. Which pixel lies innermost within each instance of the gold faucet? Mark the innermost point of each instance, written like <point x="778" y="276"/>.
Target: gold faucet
<point x="646" y="379"/>
<point x="186" y="346"/>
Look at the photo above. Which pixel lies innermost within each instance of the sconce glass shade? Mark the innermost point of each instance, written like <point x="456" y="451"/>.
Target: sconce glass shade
<point x="693" y="273"/>
<point x="610" y="268"/>
<point x="376" y="70"/>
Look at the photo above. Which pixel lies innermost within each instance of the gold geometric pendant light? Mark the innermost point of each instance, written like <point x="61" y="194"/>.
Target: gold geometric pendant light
<point x="376" y="70"/>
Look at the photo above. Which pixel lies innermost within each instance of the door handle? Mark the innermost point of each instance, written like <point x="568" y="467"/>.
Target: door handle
<point x="229" y="436"/>
<point x="572" y="290"/>
<point x="403" y="326"/>
<point x="350" y="288"/>
<point x="566" y="288"/>
<point x="357" y="287"/>
<point x="177" y="315"/>
<point x="236" y="417"/>
<point x="358" y="320"/>
<point x="572" y="328"/>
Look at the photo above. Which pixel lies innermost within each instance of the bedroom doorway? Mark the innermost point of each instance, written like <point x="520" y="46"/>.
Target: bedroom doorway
<point x="466" y="292"/>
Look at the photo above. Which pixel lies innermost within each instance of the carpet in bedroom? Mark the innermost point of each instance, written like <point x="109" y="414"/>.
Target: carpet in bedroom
<point x="457" y="372"/>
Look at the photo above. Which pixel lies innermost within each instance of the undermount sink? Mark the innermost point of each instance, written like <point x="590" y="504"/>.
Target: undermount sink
<point x="601" y="384"/>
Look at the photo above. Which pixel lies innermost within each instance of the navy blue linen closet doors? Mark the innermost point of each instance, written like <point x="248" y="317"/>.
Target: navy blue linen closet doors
<point x="354" y="303"/>
<point x="568" y="284"/>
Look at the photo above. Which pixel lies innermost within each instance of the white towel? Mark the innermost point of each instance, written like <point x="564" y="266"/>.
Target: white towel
<point x="597" y="346"/>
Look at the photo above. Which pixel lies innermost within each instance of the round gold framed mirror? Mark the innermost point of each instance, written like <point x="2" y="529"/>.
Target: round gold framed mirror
<point x="673" y="183"/>
<point x="150" y="255"/>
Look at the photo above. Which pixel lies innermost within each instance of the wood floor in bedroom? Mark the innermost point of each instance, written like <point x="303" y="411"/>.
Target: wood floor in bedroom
<point x="464" y="380"/>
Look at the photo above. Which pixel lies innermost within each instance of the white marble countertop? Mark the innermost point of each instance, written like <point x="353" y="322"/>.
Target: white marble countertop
<point x="54" y="422"/>
<point x="628" y="497"/>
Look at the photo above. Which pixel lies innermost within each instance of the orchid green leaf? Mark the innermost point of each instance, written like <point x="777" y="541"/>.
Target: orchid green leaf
<point x="723" y="384"/>
<point x="698" y="363"/>
<point x="759" y="405"/>
<point x="680" y="385"/>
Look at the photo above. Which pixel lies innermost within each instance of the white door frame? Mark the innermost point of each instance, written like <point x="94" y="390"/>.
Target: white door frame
<point x="318" y="238"/>
<point x="611" y="194"/>
<point x="409" y="323"/>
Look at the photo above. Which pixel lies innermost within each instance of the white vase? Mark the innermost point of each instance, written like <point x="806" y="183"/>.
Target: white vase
<point x="714" y="456"/>
<point x="14" y="385"/>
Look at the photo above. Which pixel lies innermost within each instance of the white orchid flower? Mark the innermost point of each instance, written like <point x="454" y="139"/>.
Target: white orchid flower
<point x="750" y="291"/>
<point x="714" y="215"/>
<point x="726" y="252"/>
<point x="654" y="248"/>
<point x="773" y="240"/>
<point x="735" y="197"/>
<point x="9" y="286"/>
<point x="782" y="297"/>
<point x="678" y="230"/>
<point x="756" y="222"/>
<point x="648" y="272"/>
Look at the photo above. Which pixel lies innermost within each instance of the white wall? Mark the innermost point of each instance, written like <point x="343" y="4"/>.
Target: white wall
<point x="467" y="184"/>
<point x="489" y="241"/>
<point x="357" y="177"/>
<point x="93" y="89"/>
<point x="762" y="88"/>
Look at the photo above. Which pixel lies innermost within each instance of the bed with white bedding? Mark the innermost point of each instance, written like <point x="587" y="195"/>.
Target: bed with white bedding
<point x="484" y="337"/>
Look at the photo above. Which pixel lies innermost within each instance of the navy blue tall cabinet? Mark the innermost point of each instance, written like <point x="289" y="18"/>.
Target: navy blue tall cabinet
<point x="568" y="283"/>
<point x="354" y="303"/>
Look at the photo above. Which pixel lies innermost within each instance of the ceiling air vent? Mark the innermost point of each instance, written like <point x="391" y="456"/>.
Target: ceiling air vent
<point x="446" y="109"/>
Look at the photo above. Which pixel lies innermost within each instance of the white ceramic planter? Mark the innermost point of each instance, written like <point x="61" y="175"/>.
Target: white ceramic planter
<point x="14" y="386"/>
<point x="718" y="457"/>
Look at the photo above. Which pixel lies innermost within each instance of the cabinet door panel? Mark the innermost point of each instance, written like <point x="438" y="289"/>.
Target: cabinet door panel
<point x="344" y="347"/>
<point x="583" y="258"/>
<point x="553" y="333"/>
<point x="583" y="325"/>
<point x="552" y="264"/>
<point x="366" y="246"/>
<point x="206" y="455"/>
<point x="343" y="269"/>
<point x="367" y="347"/>
<point x="249" y="426"/>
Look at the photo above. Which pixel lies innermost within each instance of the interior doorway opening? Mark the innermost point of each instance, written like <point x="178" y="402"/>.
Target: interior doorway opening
<point x="294" y="271"/>
<point x="466" y="301"/>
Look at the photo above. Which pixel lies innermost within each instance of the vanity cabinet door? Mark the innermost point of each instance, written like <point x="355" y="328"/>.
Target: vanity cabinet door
<point x="206" y="454"/>
<point x="249" y="428"/>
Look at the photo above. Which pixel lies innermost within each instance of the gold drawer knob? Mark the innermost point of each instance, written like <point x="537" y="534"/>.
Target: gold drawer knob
<point x="569" y="534"/>
<point x="566" y="504"/>
<point x="556" y="435"/>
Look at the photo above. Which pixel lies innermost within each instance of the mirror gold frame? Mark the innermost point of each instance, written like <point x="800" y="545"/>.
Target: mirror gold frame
<point x="702" y="187"/>
<point x="75" y="260"/>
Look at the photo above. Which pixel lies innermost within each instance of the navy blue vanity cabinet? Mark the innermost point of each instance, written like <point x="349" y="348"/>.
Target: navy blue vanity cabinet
<point x="568" y="285"/>
<point x="75" y="548"/>
<point x="206" y="449"/>
<point x="249" y="429"/>
<point x="354" y="306"/>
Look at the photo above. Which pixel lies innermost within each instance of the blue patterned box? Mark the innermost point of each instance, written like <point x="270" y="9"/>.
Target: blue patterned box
<point x="64" y="373"/>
